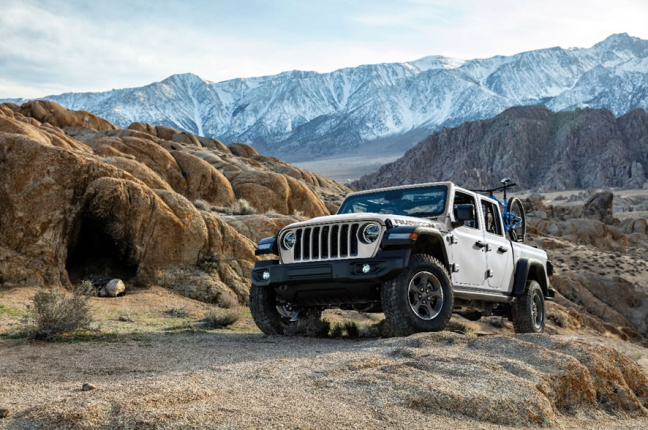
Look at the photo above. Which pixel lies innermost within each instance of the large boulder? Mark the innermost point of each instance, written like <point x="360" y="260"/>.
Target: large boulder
<point x="204" y="182"/>
<point x="40" y="190"/>
<point x="600" y="207"/>
<point x="269" y="191"/>
<point x="242" y="150"/>
<point x="147" y="152"/>
<point x="56" y="115"/>
<point x="94" y="200"/>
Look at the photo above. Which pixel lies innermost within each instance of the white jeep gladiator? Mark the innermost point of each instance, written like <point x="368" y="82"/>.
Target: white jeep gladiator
<point x="418" y="253"/>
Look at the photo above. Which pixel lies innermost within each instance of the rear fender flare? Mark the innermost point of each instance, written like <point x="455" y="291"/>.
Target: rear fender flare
<point x="529" y="268"/>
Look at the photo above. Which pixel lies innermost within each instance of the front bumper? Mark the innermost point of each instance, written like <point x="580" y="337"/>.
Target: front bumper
<point x="332" y="282"/>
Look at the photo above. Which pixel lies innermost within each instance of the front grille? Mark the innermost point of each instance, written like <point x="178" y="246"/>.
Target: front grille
<point x="326" y="242"/>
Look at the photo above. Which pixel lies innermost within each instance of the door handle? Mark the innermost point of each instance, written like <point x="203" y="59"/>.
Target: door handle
<point x="502" y="249"/>
<point x="481" y="244"/>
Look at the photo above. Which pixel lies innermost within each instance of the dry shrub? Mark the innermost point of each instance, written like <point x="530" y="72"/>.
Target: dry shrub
<point x="347" y="329"/>
<point x="209" y="266"/>
<point x="177" y="312"/>
<point x="337" y="331"/>
<point x="202" y="205"/>
<point x="55" y="313"/>
<point x="226" y="301"/>
<point x="352" y="330"/>
<point x="241" y="207"/>
<point x="310" y="325"/>
<point x="379" y="329"/>
<point x="220" y="318"/>
<point x="558" y="317"/>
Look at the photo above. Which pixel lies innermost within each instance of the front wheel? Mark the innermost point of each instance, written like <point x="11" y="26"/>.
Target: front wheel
<point x="516" y="219"/>
<point x="420" y="298"/>
<point x="271" y="315"/>
<point x="529" y="310"/>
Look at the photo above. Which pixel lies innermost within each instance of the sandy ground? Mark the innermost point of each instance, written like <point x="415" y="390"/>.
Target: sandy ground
<point x="156" y="370"/>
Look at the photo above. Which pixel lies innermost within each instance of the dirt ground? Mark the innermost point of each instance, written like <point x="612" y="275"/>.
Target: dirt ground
<point x="153" y="366"/>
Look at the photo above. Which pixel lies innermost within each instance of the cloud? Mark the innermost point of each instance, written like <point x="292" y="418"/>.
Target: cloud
<point x="53" y="46"/>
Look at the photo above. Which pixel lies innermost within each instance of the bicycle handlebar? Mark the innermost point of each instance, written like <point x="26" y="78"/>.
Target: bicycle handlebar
<point x="490" y="191"/>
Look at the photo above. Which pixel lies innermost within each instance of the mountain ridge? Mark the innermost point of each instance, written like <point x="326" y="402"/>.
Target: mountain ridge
<point x="542" y="150"/>
<point x="305" y="115"/>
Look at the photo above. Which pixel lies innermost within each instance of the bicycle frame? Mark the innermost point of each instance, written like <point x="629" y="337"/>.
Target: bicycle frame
<point x="510" y="220"/>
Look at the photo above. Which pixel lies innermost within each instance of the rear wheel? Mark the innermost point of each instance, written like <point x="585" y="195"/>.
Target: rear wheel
<point x="420" y="298"/>
<point x="529" y="310"/>
<point x="516" y="219"/>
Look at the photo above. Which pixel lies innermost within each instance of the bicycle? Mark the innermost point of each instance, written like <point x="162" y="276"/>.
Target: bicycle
<point x="513" y="216"/>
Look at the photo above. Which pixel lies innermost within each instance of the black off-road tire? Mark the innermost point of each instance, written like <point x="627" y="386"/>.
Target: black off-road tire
<point x="400" y="297"/>
<point x="263" y="307"/>
<point x="528" y="311"/>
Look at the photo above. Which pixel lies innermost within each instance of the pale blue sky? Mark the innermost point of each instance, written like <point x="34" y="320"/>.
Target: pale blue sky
<point x="55" y="46"/>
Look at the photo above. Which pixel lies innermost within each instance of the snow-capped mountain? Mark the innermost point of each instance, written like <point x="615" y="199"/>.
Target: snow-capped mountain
<point x="302" y="115"/>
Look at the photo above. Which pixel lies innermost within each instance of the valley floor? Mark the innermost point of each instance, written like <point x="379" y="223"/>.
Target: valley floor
<point x="347" y="169"/>
<point x="153" y="367"/>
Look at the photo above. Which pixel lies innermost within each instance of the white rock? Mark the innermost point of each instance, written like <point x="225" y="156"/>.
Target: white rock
<point x="114" y="288"/>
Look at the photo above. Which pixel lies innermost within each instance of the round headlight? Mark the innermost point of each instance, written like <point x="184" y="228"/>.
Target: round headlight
<point x="370" y="233"/>
<point x="288" y="240"/>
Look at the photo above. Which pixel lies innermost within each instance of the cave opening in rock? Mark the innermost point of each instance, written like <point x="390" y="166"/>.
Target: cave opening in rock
<point x="93" y="251"/>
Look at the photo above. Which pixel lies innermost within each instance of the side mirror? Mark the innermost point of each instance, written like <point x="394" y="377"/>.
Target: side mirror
<point x="463" y="213"/>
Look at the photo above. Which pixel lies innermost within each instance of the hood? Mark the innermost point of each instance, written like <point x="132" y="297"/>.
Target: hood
<point x="358" y="217"/>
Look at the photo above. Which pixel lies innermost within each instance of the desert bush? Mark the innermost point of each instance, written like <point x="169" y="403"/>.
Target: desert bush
<point x="352" y="330"/>
<point x="347" y="329"/>
<point x="558" y="317"/>
<point x="379" y="329"/>
<point x="337" y="331"/>
<point x="202" y="205"/>
<point x="220" y="318"/>
<point x="54" y="313"/>
<point x="209" y="266"/>
<point x="309" y="326"/>
<point x="226" y="301"/>
<point x="243" y="207"/>
<point x="177" y="311"/>
<point x="88" y="287"/>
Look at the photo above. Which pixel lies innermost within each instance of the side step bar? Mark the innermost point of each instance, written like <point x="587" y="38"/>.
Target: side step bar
<point x="478" y="295"/>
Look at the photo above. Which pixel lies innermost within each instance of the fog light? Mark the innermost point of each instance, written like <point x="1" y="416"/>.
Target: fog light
<point x="265" y="275"/>
<point x="366" y="268"/>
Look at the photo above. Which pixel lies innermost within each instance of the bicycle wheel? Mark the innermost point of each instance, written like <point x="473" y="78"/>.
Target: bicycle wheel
<point x="516" y="219"/>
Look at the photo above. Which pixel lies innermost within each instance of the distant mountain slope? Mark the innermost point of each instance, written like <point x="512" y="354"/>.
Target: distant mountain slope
<point x="304" y="115"/>
<point x="539" y="149"/>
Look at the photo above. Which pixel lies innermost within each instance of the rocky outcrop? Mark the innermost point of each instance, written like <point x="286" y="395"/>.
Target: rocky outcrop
<point x="525" y="380"/>
<point x="56" y="115"/>
<point x="601" y="271"/>
<point x="599" y="207"/>
<point x="124" y="203"/>
<point x="540" y="149"/>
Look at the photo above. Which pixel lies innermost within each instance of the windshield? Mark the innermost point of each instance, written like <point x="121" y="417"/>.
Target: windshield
<point x="417" y="202"/>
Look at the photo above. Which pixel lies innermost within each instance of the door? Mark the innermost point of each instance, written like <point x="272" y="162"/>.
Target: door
<point x="499" y="254"/>
<point x="468" y="252"/>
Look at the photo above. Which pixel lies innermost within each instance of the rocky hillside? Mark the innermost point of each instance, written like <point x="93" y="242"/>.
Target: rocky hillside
<point x="540" y="149"/>
<point x="306" y="115"/>
<point x="152" y="205"/>
<point x="156" y="206"/>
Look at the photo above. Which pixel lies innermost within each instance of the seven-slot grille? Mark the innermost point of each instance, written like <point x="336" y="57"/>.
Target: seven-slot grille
<point x="326" y="242"/>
